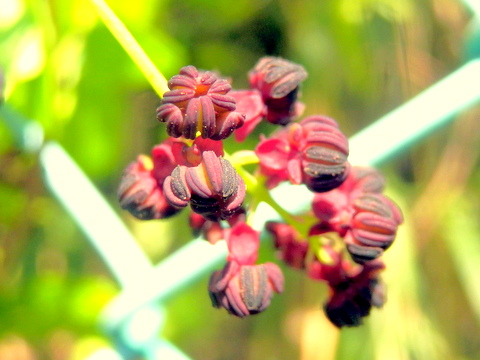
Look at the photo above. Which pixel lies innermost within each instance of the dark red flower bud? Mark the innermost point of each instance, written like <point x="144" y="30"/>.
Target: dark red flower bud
<point x="176" y="190"/>
<point x="245" y="289"/>
<point x="373" y="227"/>
<point x="351" y="300"/>
<point x="242" y="287"/>
<point x="278" y="80"/>
<point x="141" y="194"/>
<point x="349" y="309"/>
<point x="313" y="152"/>
<point x="213" y="188"/>
<point x="226" y="123"/>
<point x="243" y="243"/>
<point x="336" y="208"/>
<point x="325" y="154"/>
<point x="197" y="103"/>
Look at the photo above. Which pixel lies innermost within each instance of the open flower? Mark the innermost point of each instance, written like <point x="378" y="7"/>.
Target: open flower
<point x="313" y="152"/>
<point x="197" y="103"/>
<point x="278" y="81"/>
<point x="213" y="188"/>
<point x="242" y="287"/>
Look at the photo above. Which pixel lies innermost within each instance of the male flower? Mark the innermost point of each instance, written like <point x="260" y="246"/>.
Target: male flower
<point x="353" y="289"/>
<point x="373" y="227"/>
<point x="213" y="188"/>
<point x="198" y="103"/>
<point x="242" y="287"/>
<point x="334" y="208"/>
<point x="358" y="212"/>
<point x="278" y="80"/>
<point x="313" y="152"/>
<point x="352" y="299"/>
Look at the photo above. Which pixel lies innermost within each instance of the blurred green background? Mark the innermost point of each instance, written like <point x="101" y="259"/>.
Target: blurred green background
<point x="364" y="58"/>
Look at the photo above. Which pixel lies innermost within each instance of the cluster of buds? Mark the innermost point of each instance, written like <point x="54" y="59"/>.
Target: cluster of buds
<point x="355" y="222"/>
<point x="355" y="219"/>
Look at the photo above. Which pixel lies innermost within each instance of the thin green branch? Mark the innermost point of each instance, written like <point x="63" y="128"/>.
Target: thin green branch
<point x="131" y="46"/>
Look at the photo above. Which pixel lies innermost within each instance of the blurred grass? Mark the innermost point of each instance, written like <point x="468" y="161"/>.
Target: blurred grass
<point x="364" y="58"/>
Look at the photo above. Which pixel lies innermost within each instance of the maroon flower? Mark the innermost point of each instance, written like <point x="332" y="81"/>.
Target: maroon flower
<point x="353" y="289"/>
<point x="141" y="191"/>
<point x="198" y="103"/>
<point x="242" y="287"/>
<point x="278" y="80"/>
<point x="335" y="207"/>
<point x="213" y="188"/>
<point x="357" y="211"/>
<point x="292" y="249"/>
<point x="313" y="152"/>
<point x="373" y="227"/>
<point x="352" y="299"/>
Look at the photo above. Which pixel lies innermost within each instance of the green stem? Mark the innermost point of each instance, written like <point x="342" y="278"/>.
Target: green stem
<point x="259" y="193"/>
<point x="131" y="46"/>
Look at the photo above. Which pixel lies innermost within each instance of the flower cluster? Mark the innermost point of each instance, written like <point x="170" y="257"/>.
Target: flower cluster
<point x="354" y="222"/>
<point x="360" y="221"/>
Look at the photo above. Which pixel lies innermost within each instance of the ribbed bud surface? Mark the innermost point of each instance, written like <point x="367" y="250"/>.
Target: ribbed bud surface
<point x="213" y="188"/>
<point x="197" y="103"/>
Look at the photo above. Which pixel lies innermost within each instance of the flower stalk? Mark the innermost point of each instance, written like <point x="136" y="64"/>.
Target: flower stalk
<point x="131" y="46"/>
